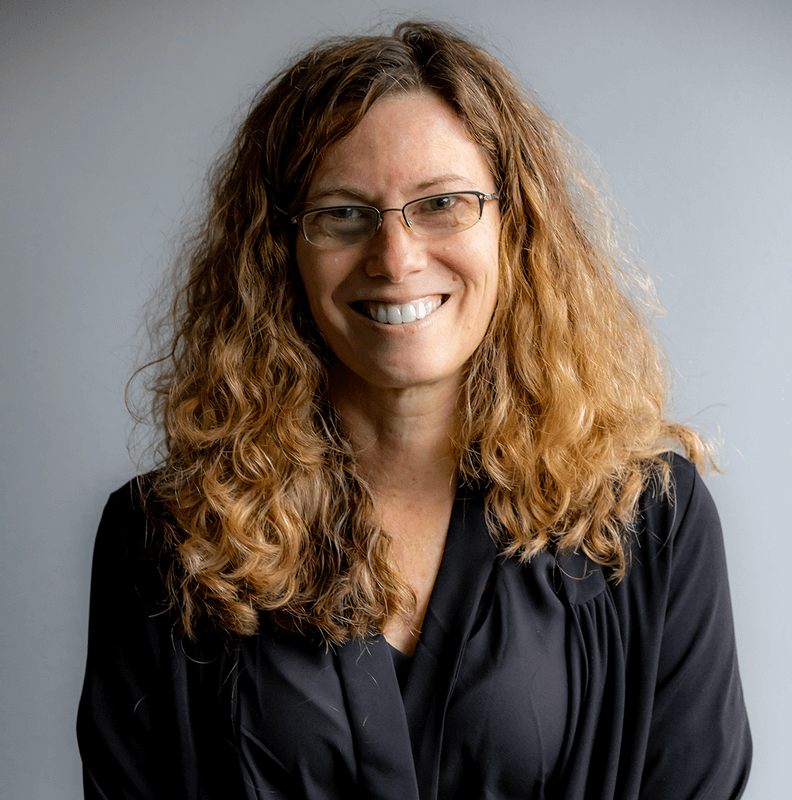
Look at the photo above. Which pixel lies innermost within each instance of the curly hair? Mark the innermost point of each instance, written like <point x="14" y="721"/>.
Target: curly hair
<point x="562" y="421"/>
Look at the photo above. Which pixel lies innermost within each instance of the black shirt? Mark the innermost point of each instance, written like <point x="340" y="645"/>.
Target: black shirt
<point x="530" y="680"/>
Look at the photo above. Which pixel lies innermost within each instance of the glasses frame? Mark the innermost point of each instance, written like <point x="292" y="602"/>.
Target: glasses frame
<point x="483" y="197"/>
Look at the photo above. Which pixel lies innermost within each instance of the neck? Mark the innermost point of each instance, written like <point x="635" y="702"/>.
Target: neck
<point x="402" y="436"/>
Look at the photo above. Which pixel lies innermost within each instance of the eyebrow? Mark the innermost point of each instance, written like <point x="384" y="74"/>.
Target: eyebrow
<point x="346" y="189"/>
<point x="438" y="180"/>
<point x="357" y="192"/>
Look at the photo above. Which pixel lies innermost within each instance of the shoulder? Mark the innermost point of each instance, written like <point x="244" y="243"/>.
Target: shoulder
<point x="129" y="499"/>
<point x="124" y="519"/>
<point x="682" y="514"/>
<point x="676" y="522"/>
<point x="128" y="546"/>
<point x="677" y="560"/>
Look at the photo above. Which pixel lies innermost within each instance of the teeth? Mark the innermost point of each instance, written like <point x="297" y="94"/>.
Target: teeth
<point x="399" y="315"/>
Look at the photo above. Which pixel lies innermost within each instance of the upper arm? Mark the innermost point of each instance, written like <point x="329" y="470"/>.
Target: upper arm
<point x="699" y="742"/>
<point x="125" y="727"/>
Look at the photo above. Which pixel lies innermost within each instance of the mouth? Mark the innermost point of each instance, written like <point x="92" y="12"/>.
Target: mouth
<point x="400" y="313"/>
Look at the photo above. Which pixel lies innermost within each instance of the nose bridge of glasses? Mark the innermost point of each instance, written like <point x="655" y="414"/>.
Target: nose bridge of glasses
<point x="402" y="216"/>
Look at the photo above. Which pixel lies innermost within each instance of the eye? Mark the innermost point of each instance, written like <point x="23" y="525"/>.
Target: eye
<point x="339" y="222"/>
<point x="440" y="212"/>
<point x="344" y="213"/>
<point x="441" y="203"/>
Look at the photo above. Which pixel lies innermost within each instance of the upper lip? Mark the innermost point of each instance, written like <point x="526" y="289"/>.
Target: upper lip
<point x="399" y="301"/>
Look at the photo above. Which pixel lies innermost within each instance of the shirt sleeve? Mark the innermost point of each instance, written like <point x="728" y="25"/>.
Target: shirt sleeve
<point x="150" y="710"/>
<point x="699" y="741"/>
<point x="123" y="733"/>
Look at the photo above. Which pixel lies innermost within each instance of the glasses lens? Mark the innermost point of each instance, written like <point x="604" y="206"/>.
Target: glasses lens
<point x="443" y="213"/>
<point x="343" y="226"/>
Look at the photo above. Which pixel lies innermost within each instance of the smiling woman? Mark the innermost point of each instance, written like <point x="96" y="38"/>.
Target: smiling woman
<point x="417" y="531"/>
<point x="404" y="145"/>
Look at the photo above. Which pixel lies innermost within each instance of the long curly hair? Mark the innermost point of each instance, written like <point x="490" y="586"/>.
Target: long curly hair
<point x="258" y="499"/>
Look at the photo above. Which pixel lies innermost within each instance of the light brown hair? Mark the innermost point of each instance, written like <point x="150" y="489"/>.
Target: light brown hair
<point x="562" y="414"/>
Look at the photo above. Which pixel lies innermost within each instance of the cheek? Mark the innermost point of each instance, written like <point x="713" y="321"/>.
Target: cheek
<point x="490" y="275"/>
<point x="475" y="254"/>
<point x="310" y="268"/>
<point x="322" y="274"/>
<point x="487" y="275"/>
<point x="308" y="275"/>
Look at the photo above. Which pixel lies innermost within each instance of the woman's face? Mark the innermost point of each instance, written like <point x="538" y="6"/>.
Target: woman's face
<point x="406" y="147"/>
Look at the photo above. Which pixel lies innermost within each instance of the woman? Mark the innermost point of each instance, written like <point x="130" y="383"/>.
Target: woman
<point x="416" y="532"/>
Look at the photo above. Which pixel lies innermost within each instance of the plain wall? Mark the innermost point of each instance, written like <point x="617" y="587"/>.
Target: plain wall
<point x="111" y="111"/>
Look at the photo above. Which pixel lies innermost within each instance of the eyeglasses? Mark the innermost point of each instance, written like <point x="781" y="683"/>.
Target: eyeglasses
<point x="337" y="227"/>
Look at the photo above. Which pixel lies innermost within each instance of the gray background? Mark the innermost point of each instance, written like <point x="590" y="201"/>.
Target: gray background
<point x="111" y="110"/>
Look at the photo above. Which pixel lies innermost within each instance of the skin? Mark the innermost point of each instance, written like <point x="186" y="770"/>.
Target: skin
<point x="396" y="386"/>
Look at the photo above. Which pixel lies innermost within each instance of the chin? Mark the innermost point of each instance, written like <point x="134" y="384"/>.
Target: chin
<point x="409" y="376"/>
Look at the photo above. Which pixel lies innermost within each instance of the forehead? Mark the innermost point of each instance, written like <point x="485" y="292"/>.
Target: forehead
<point x="404" y="143"/>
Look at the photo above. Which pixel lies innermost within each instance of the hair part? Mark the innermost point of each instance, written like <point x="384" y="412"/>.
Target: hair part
<point x="562" y="413"/>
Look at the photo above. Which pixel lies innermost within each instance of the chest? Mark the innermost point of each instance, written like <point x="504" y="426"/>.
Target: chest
<point x="510" y="691"/>
<point x="418" y="535"/>
<point x="483" y="712"/>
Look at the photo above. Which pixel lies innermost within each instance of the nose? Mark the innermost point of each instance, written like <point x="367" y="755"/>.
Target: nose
<point x="394" y="252"/>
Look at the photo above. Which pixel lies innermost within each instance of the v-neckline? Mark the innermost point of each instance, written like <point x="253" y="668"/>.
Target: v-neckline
<point x="468" y="558"/>
<point x="389" y="723"/>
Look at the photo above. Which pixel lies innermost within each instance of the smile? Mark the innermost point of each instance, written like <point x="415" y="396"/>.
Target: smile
<point x="392" y="314"/>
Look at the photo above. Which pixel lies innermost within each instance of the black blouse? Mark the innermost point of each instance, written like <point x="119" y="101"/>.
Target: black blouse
<point x="535" y="680"/>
